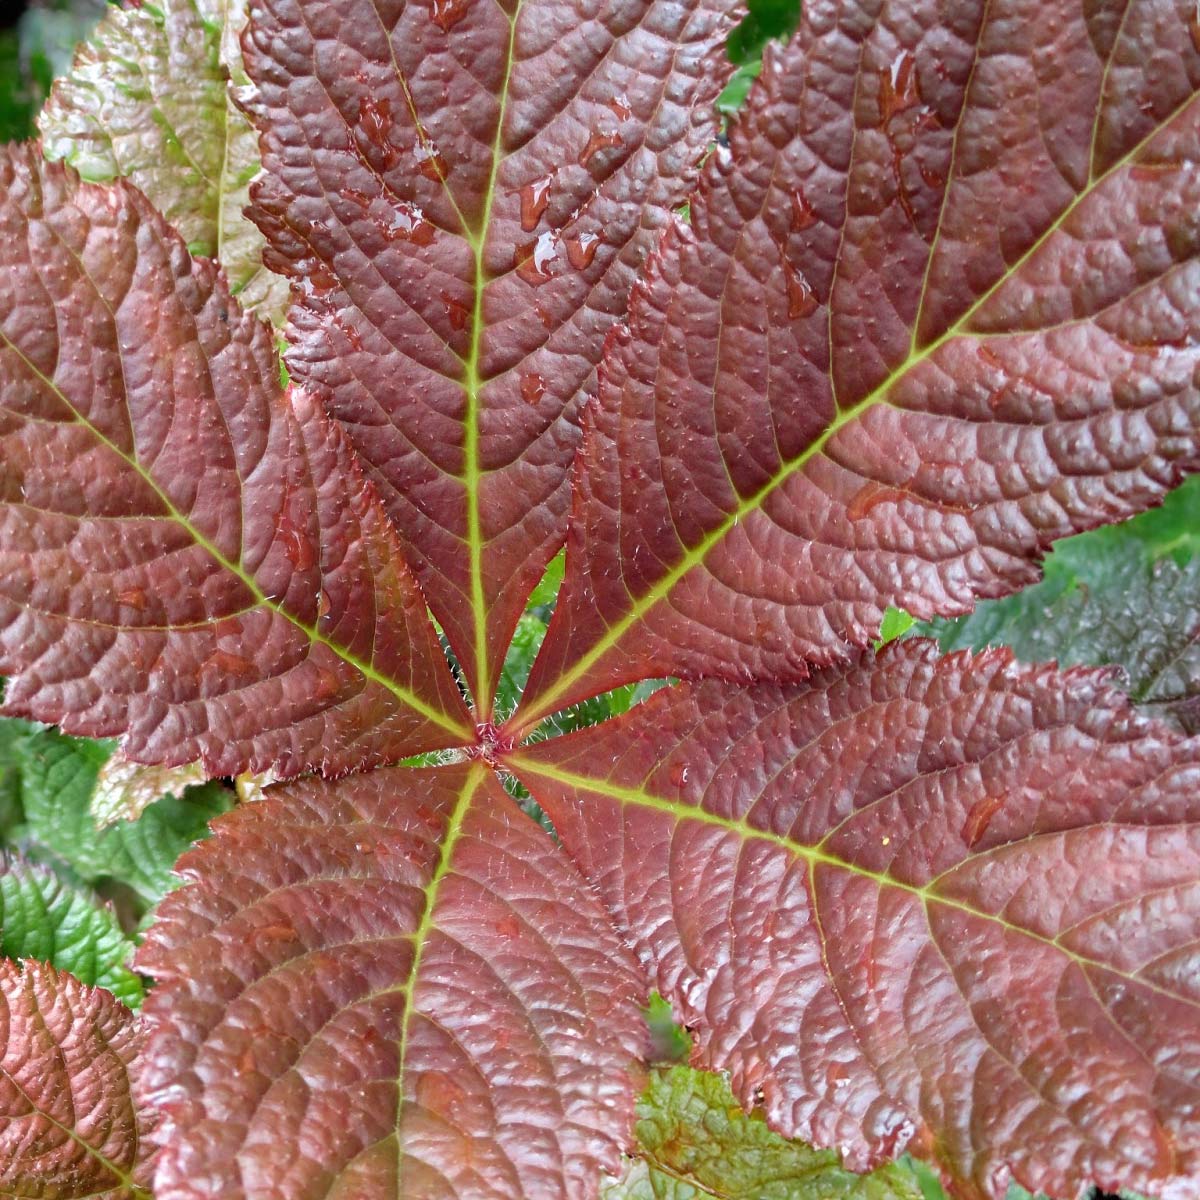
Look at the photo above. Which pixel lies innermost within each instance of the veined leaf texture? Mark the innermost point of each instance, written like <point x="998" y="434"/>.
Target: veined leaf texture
<point x="931" y="305"/>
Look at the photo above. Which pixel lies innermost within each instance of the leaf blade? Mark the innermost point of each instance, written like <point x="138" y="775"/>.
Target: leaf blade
<point x="487" y="182"/>
<point x="888" y="901"/>
<point x="865" y="393"/>
<point x="425" y="901"/>
<point x="299" y="631"/>
<point x="65" y="1096"/>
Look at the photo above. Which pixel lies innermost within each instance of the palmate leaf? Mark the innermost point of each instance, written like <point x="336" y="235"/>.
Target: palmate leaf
<point x="463" y="191"/>
<point x="67" y="1123"/>
<point x="942" y="903"/>
<point x="393" y="985"/>
<point x="147" y="100"/>
<point x="189" y="556"/>
<point x="934" y="309"/>
<point x="44" y="918"/>
<point x="695" y="1143"/>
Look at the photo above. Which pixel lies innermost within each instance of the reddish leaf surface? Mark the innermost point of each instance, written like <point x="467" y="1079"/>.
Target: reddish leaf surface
<point x="395" y="985"/>
<point x="67" y="1124"/>
<point x="463" y="191"/>
<point x="934" y="309"/>
<point x="943" y="903"/>
<point x="189" y="556"/>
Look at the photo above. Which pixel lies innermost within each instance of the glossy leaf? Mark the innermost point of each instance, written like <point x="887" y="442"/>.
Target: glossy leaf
<point x="188" y="557"/>
<point x="1142" y="619"/>
<point x="695" y="1143"/>
<point x="934" y="309"/>
<point x="394" y="985"/>
<point x="58" y="781"/>
<point x="44" y="918"/>
<point x="948" y="904"/>
<point x="67" y="1123"/>
<point x="463" y="192"/>
<point x="147" y="100"/>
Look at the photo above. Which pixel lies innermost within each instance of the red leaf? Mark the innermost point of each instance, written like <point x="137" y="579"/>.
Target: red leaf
<point x="935" y="308"/>
<point x="463" y="194"/>
<point x="392" y="985"/>
<point x="67" y="1123"/>
<point x="189" y="557"/>
<point x="943" y="903"/>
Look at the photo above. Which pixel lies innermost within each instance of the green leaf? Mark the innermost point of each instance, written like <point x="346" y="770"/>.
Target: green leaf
<point x="44" y="918"/>
<point x="1115" y="596"/>
<point x="147" y="100"/>
<point x="58" y="777"/>
<point x="694" y="1142"/>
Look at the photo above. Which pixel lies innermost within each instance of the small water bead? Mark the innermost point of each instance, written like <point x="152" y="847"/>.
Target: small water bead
<point x="898" y="87"/>
<point x="621" y="106"/>
<point x="408" y="224"/>
<point x="802" y="300"/>
<point x="582" y="249"/>
<point x="599" y="141"/>
<point x="456" y="311"/>
<point x="447" y="13"/>
<point x="533" y="259"/>
<point x="429" y="160"/>
<point x="804" y="216"/>
<point x="533" y="387"/>
<point x="534" y="198"/>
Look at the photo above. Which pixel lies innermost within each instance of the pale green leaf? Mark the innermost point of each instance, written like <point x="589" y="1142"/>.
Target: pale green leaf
<point x="147" y="100"/>
<point x="694" y="1142"/>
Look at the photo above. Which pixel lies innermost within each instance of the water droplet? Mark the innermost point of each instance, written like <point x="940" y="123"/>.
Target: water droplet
<point x="132" y="597"/>
<point x="597" y="142"/>
<point x="456" y="311"/>
<point x="508" y="926"/>
<point x="544" y="315"/>
<point x="581" y="250"/>
<point x="324" y="604"/>
<point x="679" y="774"/>
<point x="804" y="216"/>
<point x="1194" y="28"/>
<point x="319" y="279"/>
<point x="1151" y="172"/>
<point x="429" y="160"/>
<point x="534" y="198"/>
<point x="349" y="332"/>
<point x="898" y="87"/>
<point x="295" y="545"/>
<point x="375" y="124"/>
<point x="802" y="300"/>
<point x="408" y="224"/>
<point x="447" y="13"/>
<point x="356" y="197"/>
<point x="533" y="259"/>
<point x="533" y="387"/>
<point x="621" y="106"/>
<point x="979" y="817"/>
<point x="227" y="663"/>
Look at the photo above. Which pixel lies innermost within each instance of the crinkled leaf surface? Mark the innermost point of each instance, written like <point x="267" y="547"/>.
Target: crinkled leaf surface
<point x="68" y="1129"/>
<point x="44" y="918"/>
<point x="393" y="985"/>
<point x="695" y="1143"/>
<point x="189" y="556"/>
<point x="58" y="780"/>
<point x="943" y="903"/>
<point x="934" y="309"/>
<point x="148" y="100"/>
<point x="1142" y="618"/>
<point x="463" y="191"/>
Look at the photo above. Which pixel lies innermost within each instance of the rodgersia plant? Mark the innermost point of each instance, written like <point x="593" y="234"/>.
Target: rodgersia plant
<point x="932" y="306"/>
